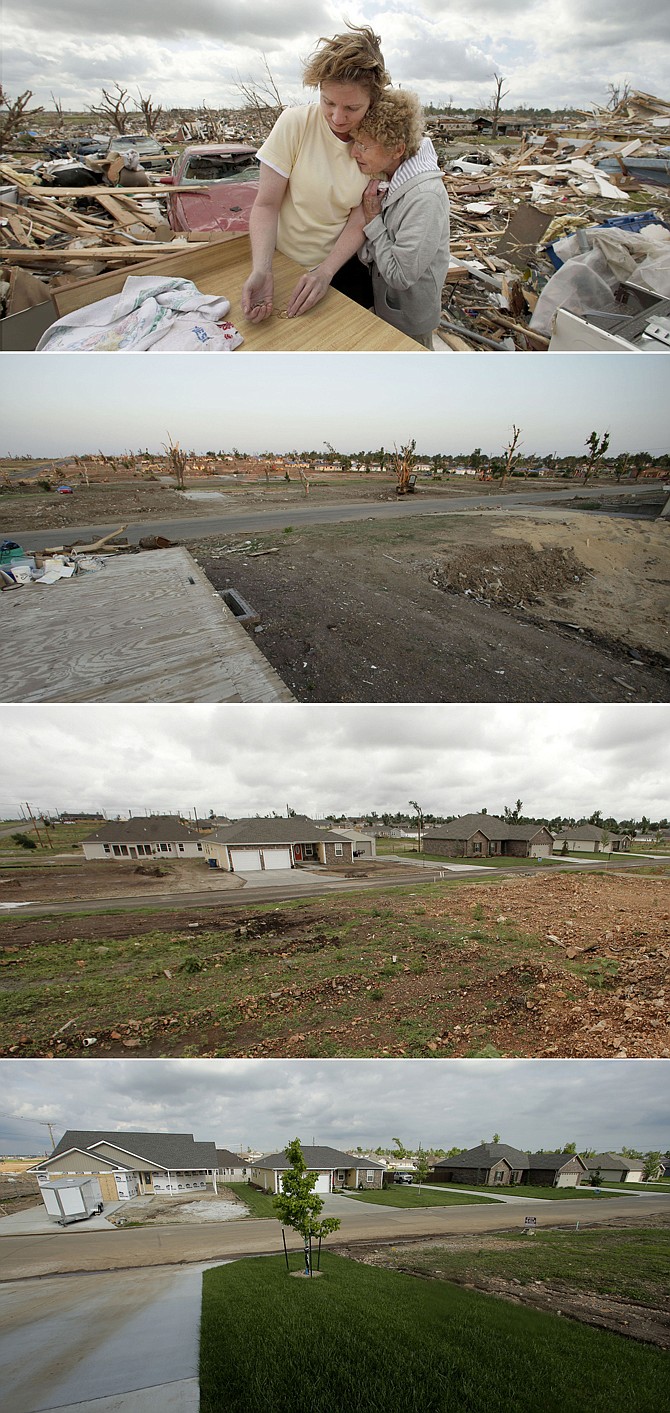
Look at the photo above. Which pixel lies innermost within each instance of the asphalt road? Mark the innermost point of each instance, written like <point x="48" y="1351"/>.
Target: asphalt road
<point x="259" y="521"/>
<point x="286" y="892"/>
<point x="76" y="1249"/>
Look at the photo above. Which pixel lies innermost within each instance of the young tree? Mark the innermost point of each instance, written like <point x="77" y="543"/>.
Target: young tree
<point x="652" y="1166"/>
<point x="298" y="1205"/>
<point x="422" y="1166"/>
<point x="419" y="812"/>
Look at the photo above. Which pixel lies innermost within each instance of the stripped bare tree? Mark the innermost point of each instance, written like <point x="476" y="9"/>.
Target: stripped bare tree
<point x="510" y="453"/>
<point x="13" y="113"/>
<point x="151" y="113"/>
<point x="114" y="107"/>
<point x="262" y="99"/>
<point x="597" y="446"/>
<point x="176" y="460"/>
<point x="495" y="103"/>
<point x="58" y="108"/>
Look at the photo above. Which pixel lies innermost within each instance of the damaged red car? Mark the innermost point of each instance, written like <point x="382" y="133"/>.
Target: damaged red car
<point x="230" y="174"/>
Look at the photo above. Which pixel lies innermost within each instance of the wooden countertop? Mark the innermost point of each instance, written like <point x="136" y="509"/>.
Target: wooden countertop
<point x="334" y="325"/>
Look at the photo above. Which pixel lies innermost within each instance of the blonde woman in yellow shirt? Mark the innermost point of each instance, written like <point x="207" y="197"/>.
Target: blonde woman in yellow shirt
<point x="309" y="199"/>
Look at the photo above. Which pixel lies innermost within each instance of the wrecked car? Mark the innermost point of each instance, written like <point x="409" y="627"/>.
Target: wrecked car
<point x="230" y="174"/>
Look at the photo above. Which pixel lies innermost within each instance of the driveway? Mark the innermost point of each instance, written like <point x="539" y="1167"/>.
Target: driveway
<point x="129" y="1338"/>
<point x="295" y="878"/>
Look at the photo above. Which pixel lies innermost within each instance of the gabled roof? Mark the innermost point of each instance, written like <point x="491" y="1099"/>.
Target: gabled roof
<point x="226" y="1159"/>
<point x="614" y="1160"/>
<point x="297" y="830"/>
<point x="485" y="1155"/>
<point x="553" y="1162"/>
<point x="487" y="824"/>
<point x="150" y="829"/>
<point x="162" y="1150"/>
<point x="587" y="832"/>
<point x="315" y="1158"/>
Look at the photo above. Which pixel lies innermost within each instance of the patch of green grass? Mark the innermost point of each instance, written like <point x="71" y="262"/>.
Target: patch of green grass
<point x="364" y="1340"/>
<point x="401" y="1196"/>
<point x="631" y="1264"/>
<point x="259" y="1203"/>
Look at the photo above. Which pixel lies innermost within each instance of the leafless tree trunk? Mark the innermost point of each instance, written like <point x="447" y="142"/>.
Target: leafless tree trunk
<point x="13" y="113"/>
<point x="150" y="114"/>
<point x="58" y="106"/>
<point x="495" y="103"/>
<point x="114" y="107"/>
<point x="403" y="462"/>
<point x="176" y="460"/>
<point x="263" y="99"/>
<point x="510" y="450"/>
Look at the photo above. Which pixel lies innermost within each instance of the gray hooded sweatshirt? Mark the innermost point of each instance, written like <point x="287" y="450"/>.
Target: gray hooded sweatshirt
<point x="407" y="246"/>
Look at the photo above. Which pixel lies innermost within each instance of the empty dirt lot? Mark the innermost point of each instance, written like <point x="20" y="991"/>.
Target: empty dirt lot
<point x="571" y="965"/>
<point x="486" y="606"/>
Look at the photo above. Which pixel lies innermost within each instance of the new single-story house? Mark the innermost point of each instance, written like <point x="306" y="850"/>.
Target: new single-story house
<point x="590" y="839"/>
<point x="128" y="1164"/>
<point x="479" y="835"/>
<point x="364" y="846"/>
<point x="333" y="1169"/>
<point x="251" y="845"/>
<point x="611" y="1167"/>
<point x="151" y="836"/>
<point x="231" y="1166"/>
<point x="499" y="1165"/>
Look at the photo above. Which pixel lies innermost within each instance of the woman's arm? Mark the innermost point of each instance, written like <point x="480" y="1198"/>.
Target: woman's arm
<point x="312" y="286"/>
<point x="258" y="291"/>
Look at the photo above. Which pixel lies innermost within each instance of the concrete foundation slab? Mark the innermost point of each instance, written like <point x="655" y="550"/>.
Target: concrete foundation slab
<point x="180" y="1397"/>
<point x="148" y="627"/>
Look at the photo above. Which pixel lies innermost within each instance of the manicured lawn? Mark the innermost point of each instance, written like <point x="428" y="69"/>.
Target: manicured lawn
<point x="551" y="1194"/>
<point x="364" y="1340"/>
<point x="629" y="1263"/>
<point x="259" y="1203"/>
<point x="412" y="1197"/>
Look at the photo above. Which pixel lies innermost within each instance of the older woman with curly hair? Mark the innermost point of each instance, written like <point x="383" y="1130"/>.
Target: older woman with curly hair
<point x="406" y="214"/>
<point x="309" y="199"/>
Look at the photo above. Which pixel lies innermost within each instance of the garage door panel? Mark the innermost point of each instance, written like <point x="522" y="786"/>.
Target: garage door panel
<point x="277" y="858"/>
<point x="246" y="859"/>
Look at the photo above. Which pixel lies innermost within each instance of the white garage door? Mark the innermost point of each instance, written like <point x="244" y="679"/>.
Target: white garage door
<point x="277" y="858"/>
<point x="322" y="1182"/>
<point x="246" y="859"/>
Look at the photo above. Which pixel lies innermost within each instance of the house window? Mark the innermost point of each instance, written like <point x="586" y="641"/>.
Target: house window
<point x="498" y="1176"/>
<point x="369" y="1177"/>
<point x="309" y="851"/>
<point x="106" y="848"/>
<point x="493" y="848"/>
<point x="200" y="848"/>
<point x="164" y="848"/>
<point x="476" y="848"/>
<point x="339" y="851"/>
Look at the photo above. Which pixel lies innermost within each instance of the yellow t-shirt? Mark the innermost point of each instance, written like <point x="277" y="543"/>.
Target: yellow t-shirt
<point x="324" y="183"/>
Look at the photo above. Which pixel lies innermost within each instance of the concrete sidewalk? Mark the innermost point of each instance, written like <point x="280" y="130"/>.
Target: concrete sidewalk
<point x="105" y="1342"/>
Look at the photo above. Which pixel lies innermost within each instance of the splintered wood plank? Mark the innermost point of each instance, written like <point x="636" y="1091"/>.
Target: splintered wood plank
<point x="147" y="628"/>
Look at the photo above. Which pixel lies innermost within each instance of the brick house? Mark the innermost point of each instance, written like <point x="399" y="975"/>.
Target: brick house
<point x="499" y="1165"/>
<point x="487" y="836"/>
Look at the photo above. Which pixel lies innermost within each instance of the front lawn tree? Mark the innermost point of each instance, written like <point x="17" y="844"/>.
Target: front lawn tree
<point x="299" y="1206"/>
<point x="422" y="1166"/>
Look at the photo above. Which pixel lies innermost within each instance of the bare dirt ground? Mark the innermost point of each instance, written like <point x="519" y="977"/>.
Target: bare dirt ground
<point x="18" y="1191"/>
<point x="198" y="1207"/>
<point x="88" y="879"/>
<point x="649" y="1323"/>
<point x="572" y="965"/>
<point x="490" y="606"/>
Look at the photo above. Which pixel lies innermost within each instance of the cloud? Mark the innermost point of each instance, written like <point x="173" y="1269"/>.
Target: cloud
<point x="254" y="759"/>
<point x="346" y="1103"/>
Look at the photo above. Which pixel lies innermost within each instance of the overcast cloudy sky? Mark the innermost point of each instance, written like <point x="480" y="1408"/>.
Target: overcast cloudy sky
<point x="355" y="402"/>
<point x="551" y="52"/>
<point x="601" y="1104"/>
<point x="240" y="760"/>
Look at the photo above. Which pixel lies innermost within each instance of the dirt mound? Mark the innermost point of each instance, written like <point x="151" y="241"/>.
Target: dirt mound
<point x="515" y="574"/>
